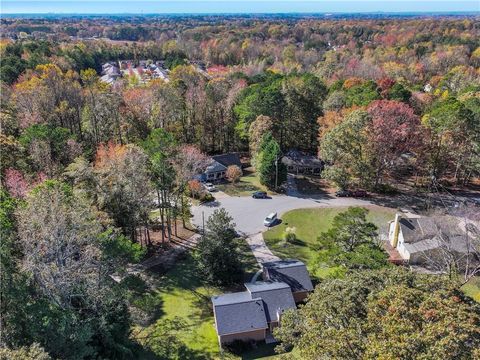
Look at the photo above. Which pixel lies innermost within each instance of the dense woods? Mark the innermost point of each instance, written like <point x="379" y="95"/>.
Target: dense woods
<point x="83" y="162"/>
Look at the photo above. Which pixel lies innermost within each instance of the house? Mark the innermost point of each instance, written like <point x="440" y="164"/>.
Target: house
<point x="298" y="162"/>
<point x="292" y="272"/>
<point x="418" y="239"/>
<point x="218" y="168"/>
<point x="251" y="315"/>
<point x="110" y="73"/>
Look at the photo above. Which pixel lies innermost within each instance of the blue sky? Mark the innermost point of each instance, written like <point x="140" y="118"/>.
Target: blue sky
<point x="233" y="6"/>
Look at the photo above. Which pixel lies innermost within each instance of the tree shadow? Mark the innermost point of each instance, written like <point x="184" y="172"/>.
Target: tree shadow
<point x="214" y="203"/>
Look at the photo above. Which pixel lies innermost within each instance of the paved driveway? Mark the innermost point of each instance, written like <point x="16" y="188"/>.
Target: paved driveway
<point x="248" y="213"/>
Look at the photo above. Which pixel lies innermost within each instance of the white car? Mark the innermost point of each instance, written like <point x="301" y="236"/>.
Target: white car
<point x="270" y="220"/>
<point x="210" y="187"/>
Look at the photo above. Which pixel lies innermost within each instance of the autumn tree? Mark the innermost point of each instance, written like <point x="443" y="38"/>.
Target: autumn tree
<point x="233" y="173"/>
<point x="345" y="147"/>
<point x="373" y="314"/>
<point x="64" y="254"/>
<point x="123" y="187"/>
<point x="260" y="126"/>
<point x="393" y="130"/>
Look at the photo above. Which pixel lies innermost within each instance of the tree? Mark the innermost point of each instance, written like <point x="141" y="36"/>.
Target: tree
<point x="189" y="161"/>
<point x="364" y="314"/>
<point x="393" y="131"/>
<point x="233" y="173"/>
<point x="123" y="186"/>
<point x="270" y="167"/>
<point x="33" y="351"/>
<point x="352" y="242"/>
<point x="195" y="188"/>
<point x="217" y="256"/>
<point x="160" y="147"/>
<point x="258" y="128"/>
<point x="345" y="147"/>
<point x="77" y="311"/>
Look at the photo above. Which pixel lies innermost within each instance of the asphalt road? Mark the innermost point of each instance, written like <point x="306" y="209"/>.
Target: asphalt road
<point x="248" y="213"/>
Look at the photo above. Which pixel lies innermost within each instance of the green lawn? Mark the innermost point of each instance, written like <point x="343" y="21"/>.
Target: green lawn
<point x="309" y="224"/>
<point x="472" y="289"/>
<point x="247" y="184"/>
<point x="181" y="294"/>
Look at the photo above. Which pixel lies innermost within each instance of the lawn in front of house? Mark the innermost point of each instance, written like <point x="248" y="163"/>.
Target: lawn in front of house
<point x="309" y="224"/>
<point x="181" y="294"/>
<point x="247" y="184"/>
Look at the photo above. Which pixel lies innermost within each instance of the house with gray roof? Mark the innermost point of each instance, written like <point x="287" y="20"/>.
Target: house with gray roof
<point x="252" y="315"/>
<point x="298" y="162"/>
<point x="217" y="169"/>
<point x="420" y="239"/>
<point x="292" y="272"/>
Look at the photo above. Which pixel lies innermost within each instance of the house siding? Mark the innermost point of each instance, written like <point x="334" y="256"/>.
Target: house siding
<point x="299" y="296"/>
<point x="255" y="335"/>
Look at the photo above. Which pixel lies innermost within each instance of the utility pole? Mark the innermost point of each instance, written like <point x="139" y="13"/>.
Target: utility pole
<point x="276" y="173"/>
<point x="203" y="225"/>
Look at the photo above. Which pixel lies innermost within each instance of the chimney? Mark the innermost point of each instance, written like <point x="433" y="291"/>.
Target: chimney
<point x="396" y="230"/>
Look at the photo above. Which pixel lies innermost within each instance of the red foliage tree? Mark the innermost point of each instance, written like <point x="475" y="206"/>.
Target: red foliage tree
<point x="394" y="130"/>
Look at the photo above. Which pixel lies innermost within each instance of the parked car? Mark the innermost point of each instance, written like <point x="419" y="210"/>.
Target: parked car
<point x="259" y="195"/>
<point x="343" y="193"/>
<point x="270" y="220"/>
<point x="360" y="193"/>
<point x="210" y="187"/>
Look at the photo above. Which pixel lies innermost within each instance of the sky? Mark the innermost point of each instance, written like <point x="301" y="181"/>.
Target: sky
<point x="233" y="6"/>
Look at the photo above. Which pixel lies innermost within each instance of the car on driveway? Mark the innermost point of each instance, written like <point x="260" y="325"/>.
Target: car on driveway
<point x="210" y="187"/>
<point x="270" y="220"/>
<point x="259" y="195"/>
<point x="343" y="193"/>
<point x="360" y="193"/>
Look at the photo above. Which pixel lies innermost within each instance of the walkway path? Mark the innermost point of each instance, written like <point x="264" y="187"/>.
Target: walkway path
<point x="260" y="250"/>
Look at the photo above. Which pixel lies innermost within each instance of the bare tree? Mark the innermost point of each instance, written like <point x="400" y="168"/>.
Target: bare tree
<point x="59" y="236"/>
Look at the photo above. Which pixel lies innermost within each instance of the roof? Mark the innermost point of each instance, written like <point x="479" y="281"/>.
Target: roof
<point x="425" y="233"/>
<point x="417" y="229"/>
<point x="292" y="272"/>
<point x="298" y="158"/>
<point x="214" y="167"/>
<point x="228" y="159"/>
<point x="238" y="312"/>
<point x="277" y="297"/>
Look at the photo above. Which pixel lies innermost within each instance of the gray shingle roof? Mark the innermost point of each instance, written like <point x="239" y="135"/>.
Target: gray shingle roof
<point x="298" y="158"/>
<point x="292" y="272"/>
<point x="228" y="159"/>
<point x="277" y="297"/>
<point x="238" y="312"/>
<point x="214" y="167"/>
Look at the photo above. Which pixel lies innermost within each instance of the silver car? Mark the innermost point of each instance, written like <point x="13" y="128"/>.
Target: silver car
<point x="270" y="220"/>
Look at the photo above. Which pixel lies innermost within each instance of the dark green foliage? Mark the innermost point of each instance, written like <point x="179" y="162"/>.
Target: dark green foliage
<point x="363" y="94"/>
<point x="351" y="242"/>
<point x="273" y="173"/>
<point x="217" y="255"/>
<point x="398" y="92"/>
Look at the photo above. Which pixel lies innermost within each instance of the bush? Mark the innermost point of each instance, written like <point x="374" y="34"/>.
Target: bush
<point x="206" y="197"/>
<point x="290" y="236"/>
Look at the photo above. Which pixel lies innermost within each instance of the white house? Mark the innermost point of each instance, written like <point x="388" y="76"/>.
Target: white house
<point x="418" y="239"/>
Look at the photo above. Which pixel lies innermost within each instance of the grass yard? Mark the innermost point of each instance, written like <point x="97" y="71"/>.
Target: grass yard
<point x="472" y="289"/>
<point x="247" y="184"/>
<point x="309" y="224"/>
<point x="182" y="295"/>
